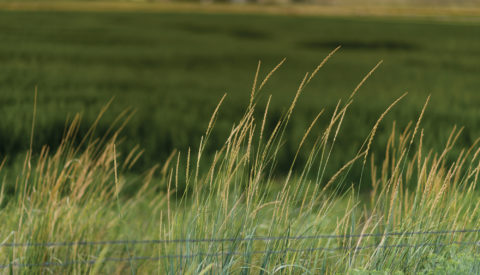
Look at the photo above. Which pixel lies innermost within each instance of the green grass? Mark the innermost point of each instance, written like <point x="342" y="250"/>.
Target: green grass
<point x="174" y="68"/>
<point x="245" y="177"/>
<point x="80" y="191"/>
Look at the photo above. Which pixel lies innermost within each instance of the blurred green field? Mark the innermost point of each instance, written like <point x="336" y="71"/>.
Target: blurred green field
<point x="174" y="68"/>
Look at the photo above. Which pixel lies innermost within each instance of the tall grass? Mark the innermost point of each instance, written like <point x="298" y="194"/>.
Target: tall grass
<point x="80" y="192"/>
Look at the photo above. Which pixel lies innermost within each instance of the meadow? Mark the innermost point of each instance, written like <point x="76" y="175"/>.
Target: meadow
<point x="174" y="68"/>
<point x="73" y="211"/>
<point x="241" y="167"/>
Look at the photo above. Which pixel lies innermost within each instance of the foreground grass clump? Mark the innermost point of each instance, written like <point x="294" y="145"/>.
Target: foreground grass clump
<point x="73" y="210"/>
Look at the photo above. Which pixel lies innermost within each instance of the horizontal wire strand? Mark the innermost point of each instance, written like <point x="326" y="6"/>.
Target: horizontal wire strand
<point x="218" y="254"/>
<point x="255" y="238"/>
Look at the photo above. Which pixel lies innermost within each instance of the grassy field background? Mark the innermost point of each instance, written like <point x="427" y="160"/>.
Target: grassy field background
<point x="174" y="68"/>
<point x="242" y="200"/>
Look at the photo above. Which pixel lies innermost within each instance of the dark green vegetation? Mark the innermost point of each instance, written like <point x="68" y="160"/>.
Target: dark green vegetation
<point x="174" y="68"/>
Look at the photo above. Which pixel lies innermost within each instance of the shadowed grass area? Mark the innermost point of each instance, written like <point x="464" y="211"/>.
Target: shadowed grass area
<point x="79" y="192"/>
<point x="172" y="68"/>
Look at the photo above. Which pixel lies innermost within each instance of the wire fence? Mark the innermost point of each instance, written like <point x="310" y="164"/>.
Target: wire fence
<point x="247" y="239"/>
<point x="350" y="248"/>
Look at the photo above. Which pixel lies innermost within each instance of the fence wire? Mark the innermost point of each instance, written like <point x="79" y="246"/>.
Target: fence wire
<point x="247" y="239"/>
<point x="354" y="248"/>
<point x="229" y="253"/>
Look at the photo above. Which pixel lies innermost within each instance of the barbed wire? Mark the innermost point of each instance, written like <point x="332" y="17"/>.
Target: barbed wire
<point x="247" y="239"/>
<point x="231" y="253"/>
